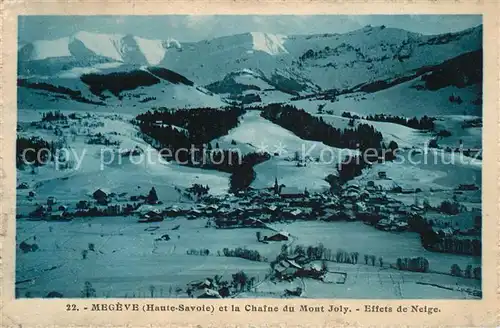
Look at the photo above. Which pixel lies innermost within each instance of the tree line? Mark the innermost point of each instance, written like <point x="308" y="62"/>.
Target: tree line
<point x="244" y="253"/>
<point x="424" y="123"/>
<point x="468" y="272"/>
<point x="434" y="241"/>
<point x="417" y="264"/>
<point x="28" y="150"/>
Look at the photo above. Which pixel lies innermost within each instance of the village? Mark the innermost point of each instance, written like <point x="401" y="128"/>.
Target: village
<point x="259" y="208"/>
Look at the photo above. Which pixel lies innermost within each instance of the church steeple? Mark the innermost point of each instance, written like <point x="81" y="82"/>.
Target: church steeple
<point x="276" y="186"/>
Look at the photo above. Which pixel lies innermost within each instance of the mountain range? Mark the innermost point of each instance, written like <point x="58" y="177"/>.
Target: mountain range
<point x="293" y="65"/>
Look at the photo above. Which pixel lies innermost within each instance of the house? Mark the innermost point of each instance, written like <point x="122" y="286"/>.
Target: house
<point x="283" y="270"/>
<point x="384" y="224"/>
<point x="152" y="197"/>
<point x="272" y="208"/>
<point x="401" y="226"/>
<point x="417" y="208"/>
<point x="352" y="194"/>
<point x="364" y="195"/>
<point x="288" y="192"/>
<point x="151" y="216"/>
<point x="382" y="175"/>
<point x="174" y="211"/>
<point x="443" y="232"/>
<point x="359" y="207"/>
<point x="312" y="272"/>
<point x="201" y="284"/>
<point x="213" y="207"/>
<point x="468" y="187"/>
<point x="60" y="216"/>
<point x="292" y="263"/>
<point x="23" y="185"/>
<point x="203" y="289"/>
<point x="280" y="236"/>
<point x="298" y="258"/>
<point x="206" y="293"/>
<point x="99" y="194"/>
<point x="51" y="200"/>
<point x="101" y="197"/>
<point x="353" y="185"/>
<point x="296" y="292"/>
<point x="195" y="212"/>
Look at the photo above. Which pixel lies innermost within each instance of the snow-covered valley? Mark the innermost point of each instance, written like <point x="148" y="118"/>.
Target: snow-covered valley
<point x="105" y="212"/>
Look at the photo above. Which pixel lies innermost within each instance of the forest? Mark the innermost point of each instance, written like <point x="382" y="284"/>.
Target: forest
<point x="306" y="126"/>
<point x="193" y="130"/>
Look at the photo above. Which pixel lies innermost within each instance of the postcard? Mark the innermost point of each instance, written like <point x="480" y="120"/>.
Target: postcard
<point x="249" y="164"/>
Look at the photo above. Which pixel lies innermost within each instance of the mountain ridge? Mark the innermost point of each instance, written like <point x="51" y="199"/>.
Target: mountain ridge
<point x="327" y="60"/>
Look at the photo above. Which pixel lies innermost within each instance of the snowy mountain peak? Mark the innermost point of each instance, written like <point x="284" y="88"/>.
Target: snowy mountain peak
<point x="272" y="44"/>
<point x="83" y="47"/>
<point x="102" y="45"/>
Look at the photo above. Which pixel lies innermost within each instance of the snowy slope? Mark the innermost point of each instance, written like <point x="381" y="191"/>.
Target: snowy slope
<point x="272" y="44"/>
<point x="404" y="99"/>
<point x="122" y="174"/>
<point x="255" y="133"/>
<point x="345" y="60"/>
<point x="159" y="91"/>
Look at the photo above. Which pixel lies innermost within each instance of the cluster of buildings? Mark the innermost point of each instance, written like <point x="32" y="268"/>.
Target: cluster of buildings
<point x="289" y="269"/>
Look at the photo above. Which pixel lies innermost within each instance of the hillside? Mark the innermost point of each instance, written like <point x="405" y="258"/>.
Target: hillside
<point x="128" y="88"/>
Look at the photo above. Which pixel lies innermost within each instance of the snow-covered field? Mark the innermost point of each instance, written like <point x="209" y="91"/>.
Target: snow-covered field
<point x="127" y="260"/>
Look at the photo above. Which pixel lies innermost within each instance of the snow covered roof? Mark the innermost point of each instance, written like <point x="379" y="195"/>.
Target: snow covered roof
<point x="104" y="190"/>
<point x="206" y="292"/>
<point x="315" y="267"/>
<point x="293" y="264"/>
<point x="145" y="208"/>
<point x="291" y="191"/>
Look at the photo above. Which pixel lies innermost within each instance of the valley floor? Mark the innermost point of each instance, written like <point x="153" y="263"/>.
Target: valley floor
<point x="128" y="262"/>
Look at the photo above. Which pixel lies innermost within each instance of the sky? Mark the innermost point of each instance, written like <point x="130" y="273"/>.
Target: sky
<point x="195" y="27"/>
